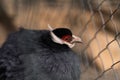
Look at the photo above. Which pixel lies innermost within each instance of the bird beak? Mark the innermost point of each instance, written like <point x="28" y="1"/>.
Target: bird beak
<point x="76" y="39"/>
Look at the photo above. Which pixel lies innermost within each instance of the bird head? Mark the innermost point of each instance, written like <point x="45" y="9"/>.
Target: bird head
<point x="64" y="36"/>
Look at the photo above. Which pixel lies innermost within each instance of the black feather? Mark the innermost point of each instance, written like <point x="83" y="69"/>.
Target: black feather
<point x="60" y="32"/>
<point x="32" y="55"/>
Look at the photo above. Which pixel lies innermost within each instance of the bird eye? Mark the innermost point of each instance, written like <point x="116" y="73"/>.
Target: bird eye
<point x="67" y="38"/>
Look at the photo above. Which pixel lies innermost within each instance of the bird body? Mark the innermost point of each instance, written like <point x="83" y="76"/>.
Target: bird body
<point x="33" y="55"/>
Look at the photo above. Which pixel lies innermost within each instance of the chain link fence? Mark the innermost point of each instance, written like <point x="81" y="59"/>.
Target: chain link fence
<point x="97" y="22"/>
<point x="105" y="57"/>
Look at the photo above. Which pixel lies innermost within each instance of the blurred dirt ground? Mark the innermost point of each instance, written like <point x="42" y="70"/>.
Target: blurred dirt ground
<point x="95" y="21"/>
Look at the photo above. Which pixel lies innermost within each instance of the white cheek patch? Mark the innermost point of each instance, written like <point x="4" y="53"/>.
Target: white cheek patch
<point x="56" y="39"/>
<point x="69" y="44"/>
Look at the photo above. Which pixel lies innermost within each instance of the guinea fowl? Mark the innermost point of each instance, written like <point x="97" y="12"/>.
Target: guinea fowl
<point x="40" y="55"/>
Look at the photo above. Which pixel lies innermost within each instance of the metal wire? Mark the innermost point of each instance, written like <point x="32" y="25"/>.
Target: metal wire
<point x="102" y="28"/>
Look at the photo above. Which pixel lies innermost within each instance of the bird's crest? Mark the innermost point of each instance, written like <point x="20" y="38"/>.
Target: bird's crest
<point x="51" y="29"/>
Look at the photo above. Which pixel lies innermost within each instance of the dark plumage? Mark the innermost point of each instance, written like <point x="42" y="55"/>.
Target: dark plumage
<point x="62" y="31"/>
<point x="32" y="55"/>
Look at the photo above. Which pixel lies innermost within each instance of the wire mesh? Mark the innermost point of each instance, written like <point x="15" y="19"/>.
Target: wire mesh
<point x="109" y="42"/>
